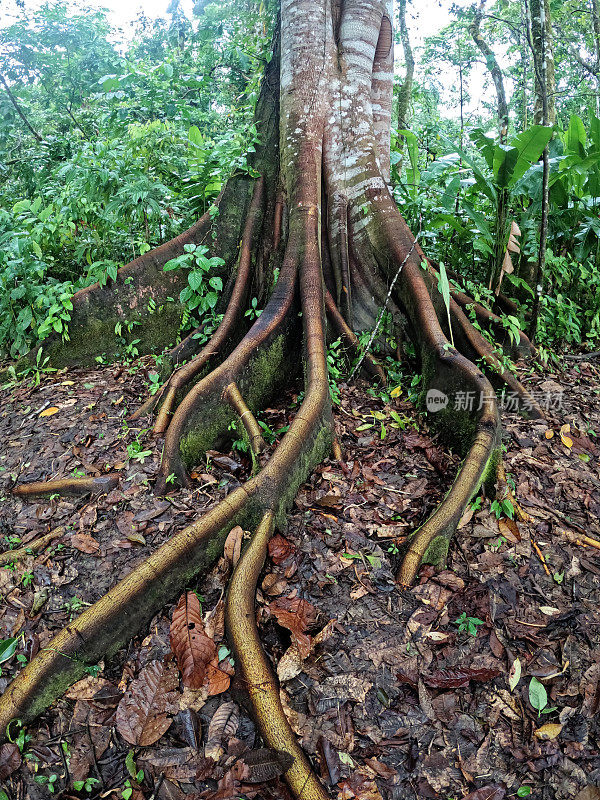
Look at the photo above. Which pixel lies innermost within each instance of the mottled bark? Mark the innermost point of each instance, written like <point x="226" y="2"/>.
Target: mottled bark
<point x="494" y="69"/>
<point x="405" y="90"/>
<point x="542" y="41"/>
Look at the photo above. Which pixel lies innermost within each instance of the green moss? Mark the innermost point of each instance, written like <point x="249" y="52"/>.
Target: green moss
<point x="437" y="551"/>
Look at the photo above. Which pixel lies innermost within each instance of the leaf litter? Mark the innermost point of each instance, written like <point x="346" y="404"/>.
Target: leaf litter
<point x="388" y="693"/>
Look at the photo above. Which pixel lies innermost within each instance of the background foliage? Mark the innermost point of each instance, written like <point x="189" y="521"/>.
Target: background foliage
<point x="110" y="146"/>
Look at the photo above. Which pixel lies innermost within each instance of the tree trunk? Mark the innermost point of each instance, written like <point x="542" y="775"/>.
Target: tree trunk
<point x="543" y="54"/>
<point x="404" y="93"/>
<point x="321" y="225"/>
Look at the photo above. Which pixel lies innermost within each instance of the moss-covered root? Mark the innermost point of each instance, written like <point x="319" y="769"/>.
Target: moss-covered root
<point x="234" y="397"/>
<point x="429" y="544"/>
<point x="69" y="486"/>
<point x="255" y="670"/>
<point x="108" y="624"/>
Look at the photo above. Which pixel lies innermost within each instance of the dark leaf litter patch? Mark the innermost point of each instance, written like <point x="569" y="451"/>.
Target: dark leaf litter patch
<point x="390" y="693"/>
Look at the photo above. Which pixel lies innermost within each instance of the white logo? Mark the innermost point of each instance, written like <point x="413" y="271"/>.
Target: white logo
<point x="436" y="400"/>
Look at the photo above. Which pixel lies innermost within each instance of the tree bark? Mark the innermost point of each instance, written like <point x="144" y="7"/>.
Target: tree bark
<point x="404" y="93"/>
<point x="543" y="54"/>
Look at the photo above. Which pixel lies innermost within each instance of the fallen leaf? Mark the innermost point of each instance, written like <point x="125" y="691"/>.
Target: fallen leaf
<point x="223" y="726"/>
<point x="233" y="545"/>
<point x="549" y="433"/>
<point x="297" y="615"/>
<point x="548" y="731"/>
<point x="146" y="710"/>
<point x="280" y="548"/>
<point x="84" y="543"/>
<point x="514" y="676"/>
<point x="493" y="792"/>
<point x="49" y="412"/>
<point x="265" y="764"/>
<point x="10" y="760"/>
<point x="458" y="678"/>
<point x="218" y="679"/>
<point x="193" y="649"/>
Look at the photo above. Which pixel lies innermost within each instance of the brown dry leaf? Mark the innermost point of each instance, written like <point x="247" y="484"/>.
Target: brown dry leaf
<point x="49" y="412"/>
<point x="359" y="787"/>
<point x="280" y="548"/>
<point x="10" y="759"/>
<point x="548" y="731"/>
<point x="218" y="679"/>
<point x="85" y="543"/>
<point x="274" y="584"/>
<point x="146" y="710"/>
<point x="215" y="622"/>
<point x="233" y="545"/>
<point x="193" y="649"/>
<point x="265" y="764"/>
<point x="509" y="529"/>
<point x="588" y="793"/>
<point x="223" y="726"/>
<point x="297" y="615"/>
<point x="86" y="688"/>
<point x="493" y="792"/>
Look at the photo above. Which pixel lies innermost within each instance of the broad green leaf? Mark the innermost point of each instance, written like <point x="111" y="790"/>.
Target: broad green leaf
<point x="576" y="138"/>
<point x="530" y="145"/>
<point x="595" y="130"/>
<point x="195" y="136"/>
<point x="538" y="696"/>
<point x="505" y="159"/>
<point x="484" y="184"/>
<point x="8" y="648"/>
<point x="485" y="145"/>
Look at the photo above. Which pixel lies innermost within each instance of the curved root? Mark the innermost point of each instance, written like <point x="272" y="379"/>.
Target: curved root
<point x="233" y="314"/>
<point x="69" y="486"/>
<point x="254" y="668"/>
<point x="234" y="397"/>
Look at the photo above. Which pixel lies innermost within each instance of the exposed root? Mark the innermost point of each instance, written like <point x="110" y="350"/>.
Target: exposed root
<point x="481" y="348"/>
<point x="234" y="368"/>
<point x="233" y="314"/>
<point x="35" y="546"/>
<point x="489" y="320"/>
<point x="233" y="396"/>
<point x="254" y="668"/>
<point x="105" y="626"/>
<point x="351" y="339"/>
<point x="69" y="486"/>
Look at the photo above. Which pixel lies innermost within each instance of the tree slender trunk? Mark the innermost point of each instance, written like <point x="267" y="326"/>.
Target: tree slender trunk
<point x="19" y="110"/>
<point x="543" y="53"/>
<point x="501" y="231"/>
<point x="405" y="90"/>
<point x="545" y="114"/>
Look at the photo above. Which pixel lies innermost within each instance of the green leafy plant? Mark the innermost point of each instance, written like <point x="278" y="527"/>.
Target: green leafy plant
<point x="468" y="624"/>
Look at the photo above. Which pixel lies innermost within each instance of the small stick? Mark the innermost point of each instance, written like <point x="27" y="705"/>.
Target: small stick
<point x="236" y="401"/>
<point x="541" y="557"/>
<point x="8" y="556"/>
<point x="582" y="541"/>
<point x="76" y="486"/>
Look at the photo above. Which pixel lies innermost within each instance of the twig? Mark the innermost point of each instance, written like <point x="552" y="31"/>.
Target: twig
<point x="375" y="331"/>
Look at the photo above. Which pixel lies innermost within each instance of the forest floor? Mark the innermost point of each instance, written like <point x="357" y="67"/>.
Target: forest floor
<point x="425" y="692"/>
